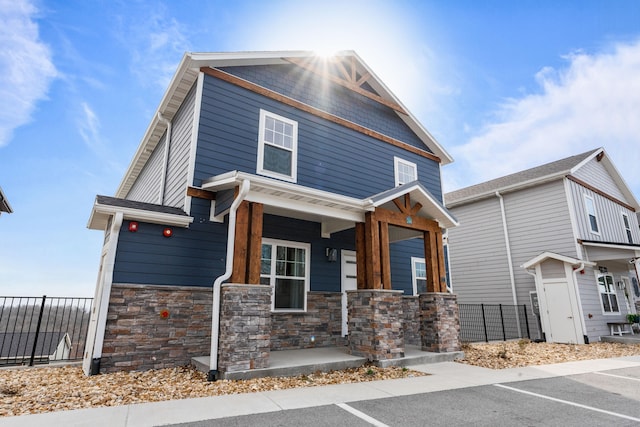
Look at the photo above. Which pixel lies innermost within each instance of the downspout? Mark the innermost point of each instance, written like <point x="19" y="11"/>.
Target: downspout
<point x="215" y="311"/>
<point x="580" y="312"/>
<point x="165" y="165"/>
<point x="507" y="245"/>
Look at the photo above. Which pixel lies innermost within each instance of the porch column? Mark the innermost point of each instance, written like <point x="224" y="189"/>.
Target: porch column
<point x="439" y="322"/>
<point x="248" y="243"/>
<point x="434" y="256"/>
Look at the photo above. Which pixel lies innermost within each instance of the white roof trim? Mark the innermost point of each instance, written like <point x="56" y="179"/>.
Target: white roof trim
<point x="612" y="246"/>
<point x="100" y="215"/>
<point x="551" y="255"/>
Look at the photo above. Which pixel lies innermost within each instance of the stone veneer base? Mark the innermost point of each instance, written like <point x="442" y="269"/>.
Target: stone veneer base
<point x="439" y="322"/>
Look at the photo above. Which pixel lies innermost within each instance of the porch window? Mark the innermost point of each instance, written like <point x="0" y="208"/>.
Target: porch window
<point x="608" y="293"/>
<point x="419" y="275"/>
<point x="285" y="267"/>
<point x="591" y="214"/>
<point x="627" y="227"/>
<point x="404" y="171"/>
<point x="277" y="147"/>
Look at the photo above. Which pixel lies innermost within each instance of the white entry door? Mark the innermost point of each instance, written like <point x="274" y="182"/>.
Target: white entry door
<point x="562" y="318"/>
<point x="349" y="283"/>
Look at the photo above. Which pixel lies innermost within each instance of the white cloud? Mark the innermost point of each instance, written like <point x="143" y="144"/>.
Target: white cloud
<point x="26" y="66"/>
<point x="89" y="127"/>
<point x="593" y="102"/>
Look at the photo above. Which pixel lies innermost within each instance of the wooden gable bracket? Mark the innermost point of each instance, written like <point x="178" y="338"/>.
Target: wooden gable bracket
<point x="350" y="80"/>
<point x="199" y="193"/>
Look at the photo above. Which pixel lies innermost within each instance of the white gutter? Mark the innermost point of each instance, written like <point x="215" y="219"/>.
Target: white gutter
<point x="215" y="311"/>
<point x="508" y="248"/>
<point x="165" y="163"/>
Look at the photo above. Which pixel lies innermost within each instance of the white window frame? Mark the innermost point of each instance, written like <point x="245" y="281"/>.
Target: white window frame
<point x="397" y="162"/>
<point x="626" y="225"/>
<point x="272" y="275"/>
<point x="261" y="144"/>
<point x="610" y="289"/>
<point x="587" y="201"/>
<point x="414" y="273"/>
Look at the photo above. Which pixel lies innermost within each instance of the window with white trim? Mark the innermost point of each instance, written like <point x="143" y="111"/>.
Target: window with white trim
<point x="627" y="227"/>
<point x="277" y="147"/>
<point x="419" y="275"/>
<point x="404" y="171"/>
<point x="608" y="296"/>
<point x="592" y="217"/>
<point x="285" y="267"/>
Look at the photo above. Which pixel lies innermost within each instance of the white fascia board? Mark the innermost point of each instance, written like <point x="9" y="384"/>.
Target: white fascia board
<point x="550" y="255"/>
<point x="317" y="210"/>
<point x="612" y="246"/>
<point x="100" y="212"/>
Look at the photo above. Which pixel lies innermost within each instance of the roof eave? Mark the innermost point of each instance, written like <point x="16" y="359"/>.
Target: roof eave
<point x="100" y="215"/>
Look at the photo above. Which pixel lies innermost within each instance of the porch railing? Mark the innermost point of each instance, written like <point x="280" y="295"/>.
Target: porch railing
<point x="42" y="329"/>
<point x="493" y="322"/>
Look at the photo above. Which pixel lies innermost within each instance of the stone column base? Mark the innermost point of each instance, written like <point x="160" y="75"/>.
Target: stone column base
<point x="439" y="322"/>
<point x="245" y="327"/>
<point x="375" y="324"/>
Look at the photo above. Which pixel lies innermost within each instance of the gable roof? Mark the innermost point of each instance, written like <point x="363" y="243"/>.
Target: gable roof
<point x="536" y="176"/>
<point x="551" y="255"/>
<point x="4" y="203"/>
<point x="187" y="74"/>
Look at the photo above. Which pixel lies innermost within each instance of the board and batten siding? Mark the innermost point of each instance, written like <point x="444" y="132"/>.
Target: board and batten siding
<point x="609" y="215"/>
<point x="146" y="188"/>
<point x="178" y="162"/>
<point x="330" y="157"/>
<point x="594" y="173"/>
<point x="477" y="254"/>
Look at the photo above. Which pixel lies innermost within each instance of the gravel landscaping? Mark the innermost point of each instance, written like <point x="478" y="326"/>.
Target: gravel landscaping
<point x="45" y="389"/>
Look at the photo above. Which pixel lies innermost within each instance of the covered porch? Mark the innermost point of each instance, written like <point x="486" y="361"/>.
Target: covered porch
<point x="375" y="313"/>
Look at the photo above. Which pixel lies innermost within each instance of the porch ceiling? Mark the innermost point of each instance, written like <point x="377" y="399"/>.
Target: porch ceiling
<point x="603" y="251"/>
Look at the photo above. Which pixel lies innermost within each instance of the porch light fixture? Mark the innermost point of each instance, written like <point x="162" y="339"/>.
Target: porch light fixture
<point x="167" y="232"/>
<point x="133" y="226"/>
<point x="332" y="254"/>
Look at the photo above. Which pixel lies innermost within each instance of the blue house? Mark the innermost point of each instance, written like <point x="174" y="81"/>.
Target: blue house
<point x="278" y="200"/>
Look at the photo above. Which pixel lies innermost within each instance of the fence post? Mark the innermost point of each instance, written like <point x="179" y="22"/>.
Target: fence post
<point x="504" y="334"/>
<point x="484" y="323"/>
<point x="35" y="340"/>
<point x="526" y="319"/>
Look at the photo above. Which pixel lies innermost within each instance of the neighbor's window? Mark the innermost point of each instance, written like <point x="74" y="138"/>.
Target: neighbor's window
<point x="591" y="214"/>
<point x="277" y="146"/>
<point x="608" y="293"/>
<point x="627" y="227"/>
<point x="419" y="275"/>
<point x="404" y="171"/>
<point x="285" y="267"/>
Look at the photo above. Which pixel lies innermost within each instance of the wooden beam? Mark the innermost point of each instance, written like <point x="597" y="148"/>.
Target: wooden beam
<point x="372" y="251"/>
<point x="200" y="193"/>
<point x="431" y="257"/>
<point x="600" y="192"/>
<point x="415" y="209"/>
<point x="213" y="72"/>
<point x="441" y="267"/>
<point x="238" y="274"/>
<point x="361" y="264"/>
<point x="385" y="258"/>
<point x="399" y="219"/>
<point x="255" y="244"/>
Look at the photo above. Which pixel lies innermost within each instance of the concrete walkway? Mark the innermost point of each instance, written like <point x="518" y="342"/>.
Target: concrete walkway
<point x="444" y="376"/>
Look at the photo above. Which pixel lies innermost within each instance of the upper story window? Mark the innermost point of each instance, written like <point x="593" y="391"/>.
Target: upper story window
<point x="591" y="214"/>
<point x="285" y="267"/>
<point x="608" y="295"/>
<point x="419" y="275"/>
<point x="404" y="171"/>
<point x="627" y="227"/>
<point x="277" y="147"/>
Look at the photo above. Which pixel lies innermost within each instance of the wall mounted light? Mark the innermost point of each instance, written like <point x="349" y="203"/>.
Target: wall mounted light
<point x="167" y="232"/>
<point x="133" y="226"/>
<point x="332" y="254"/>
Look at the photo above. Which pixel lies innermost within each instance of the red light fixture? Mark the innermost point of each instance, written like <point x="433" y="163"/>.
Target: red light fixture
<point x="133" y="226"/>
<point x="167" y="232"/>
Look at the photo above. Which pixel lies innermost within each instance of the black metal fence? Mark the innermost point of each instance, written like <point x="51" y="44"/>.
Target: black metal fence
<point x="42" y="329"/>
<point x="493" y="322"/>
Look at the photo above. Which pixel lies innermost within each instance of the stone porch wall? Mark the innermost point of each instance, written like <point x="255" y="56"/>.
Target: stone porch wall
<point x="440" y="322"/>
<point x="411" y="320"/>
<point x="154" y="327"/>
<point x="322" y="321"/>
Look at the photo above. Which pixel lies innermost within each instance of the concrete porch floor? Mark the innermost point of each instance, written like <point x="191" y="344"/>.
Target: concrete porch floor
<point x="286" y="363"/>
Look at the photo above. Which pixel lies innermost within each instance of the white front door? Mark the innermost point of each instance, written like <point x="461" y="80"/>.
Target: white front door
<point x="349" y="283"/>
<point x="562" y="317"/>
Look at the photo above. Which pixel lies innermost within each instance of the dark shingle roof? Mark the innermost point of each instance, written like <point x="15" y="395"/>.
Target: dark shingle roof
<point x="557" y="168"/>
<point x="4" y="203"/>
<point x="123" y="203"/>
<point x="20" y="344"/>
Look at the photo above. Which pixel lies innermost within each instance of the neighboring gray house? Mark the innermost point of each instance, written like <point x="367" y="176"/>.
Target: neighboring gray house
<point x="4" y="203"/>
<point x="565" y="234"/>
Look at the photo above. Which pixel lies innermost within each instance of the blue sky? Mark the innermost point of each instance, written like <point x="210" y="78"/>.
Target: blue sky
<point x="502" y="85"/>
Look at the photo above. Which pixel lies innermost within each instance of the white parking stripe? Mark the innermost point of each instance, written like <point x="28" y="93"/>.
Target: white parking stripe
<point x="591" y="408"/>
<point x="617" y="376"/>
<point x="361" y="415"/>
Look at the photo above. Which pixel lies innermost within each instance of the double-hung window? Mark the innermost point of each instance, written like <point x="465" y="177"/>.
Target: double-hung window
<point x="404" y="171"/>
<point x="608" y="293"/>
<point x="419" y="275"/>
<point x="285" y="267"/>
<point x="590" y="206"/>
<point x="277" y="147"/>
<point x="627" y="227"/>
